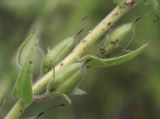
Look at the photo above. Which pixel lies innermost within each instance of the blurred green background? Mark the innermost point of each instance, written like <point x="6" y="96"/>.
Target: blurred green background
<point x="128" y="91"/>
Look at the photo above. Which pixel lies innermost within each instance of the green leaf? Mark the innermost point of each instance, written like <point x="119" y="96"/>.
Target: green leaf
<point x="23" y="86"/>
<point x="93" y="61"/>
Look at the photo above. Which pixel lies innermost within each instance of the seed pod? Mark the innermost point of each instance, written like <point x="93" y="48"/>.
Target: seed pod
<point x="67" y="79"/>
<point x="116" y="39"/>
<point x="55" y="55"/>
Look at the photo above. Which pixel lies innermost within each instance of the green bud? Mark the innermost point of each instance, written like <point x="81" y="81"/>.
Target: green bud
<point x="116" y="39"/>
<point x="67" y="79"/>
<point x="58" y="53"/>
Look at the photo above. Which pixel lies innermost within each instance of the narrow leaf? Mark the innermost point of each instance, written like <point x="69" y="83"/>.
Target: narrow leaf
<point x="23" y="86"/>
<point x="93" y="61"/>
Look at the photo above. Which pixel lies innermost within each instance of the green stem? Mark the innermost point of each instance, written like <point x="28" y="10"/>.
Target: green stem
<point x="91" y="38"/>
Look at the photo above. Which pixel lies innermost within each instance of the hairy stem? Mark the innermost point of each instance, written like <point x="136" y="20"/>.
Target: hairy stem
<point x="91" y="38"/>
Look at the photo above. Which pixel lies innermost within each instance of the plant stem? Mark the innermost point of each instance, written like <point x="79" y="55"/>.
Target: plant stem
<point x="91" y="38"/>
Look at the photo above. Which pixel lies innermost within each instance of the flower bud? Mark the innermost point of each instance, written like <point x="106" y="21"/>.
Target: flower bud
<point x="116" y="39"/>
<point x="67" y="79"/>
<point x="58" y="53"/>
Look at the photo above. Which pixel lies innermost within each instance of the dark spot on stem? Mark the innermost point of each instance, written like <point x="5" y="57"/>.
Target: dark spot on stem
<point x="61" y="64"/>
<point x="133" y="2"/>
<point x="115" y="14"/>
<point x="109" y="23"/>
<point x="130" y="3"/>
<point x="83" y="41"/>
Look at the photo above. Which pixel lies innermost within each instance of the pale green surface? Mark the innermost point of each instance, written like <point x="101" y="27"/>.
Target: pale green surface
<point x="23" y="86"/>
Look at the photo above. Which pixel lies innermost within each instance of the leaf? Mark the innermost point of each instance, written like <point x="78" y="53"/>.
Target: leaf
<point x="93" y="62"/>
<point x="23" y="86"/>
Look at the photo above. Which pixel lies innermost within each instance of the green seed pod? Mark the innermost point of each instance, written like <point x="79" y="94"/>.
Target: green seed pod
<point x="58" y="53"/>
<point x="67" y="79"/>
<point x="116" y="39"/>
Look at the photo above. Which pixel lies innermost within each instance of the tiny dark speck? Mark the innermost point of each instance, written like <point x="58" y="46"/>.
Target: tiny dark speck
<point x="83" y="41"/>
<point x="20" y="111"/>
<point x="61" y="64"/>
<point x="109" y="23"/>
<point x="116" y="13"/>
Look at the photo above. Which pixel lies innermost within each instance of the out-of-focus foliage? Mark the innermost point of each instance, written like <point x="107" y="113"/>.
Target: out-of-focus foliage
<point x="128" y="91"/>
